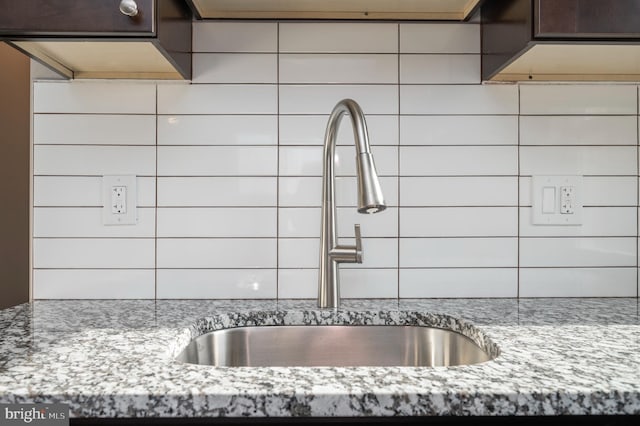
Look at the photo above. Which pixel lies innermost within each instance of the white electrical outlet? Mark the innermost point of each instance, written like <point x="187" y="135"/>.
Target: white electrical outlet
<point x="567" y="199"/>
<point x="119" y="200"/>
<point x="556" y="200"/>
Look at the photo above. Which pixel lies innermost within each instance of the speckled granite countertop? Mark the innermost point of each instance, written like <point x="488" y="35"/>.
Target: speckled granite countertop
<point x="116" y="359"/>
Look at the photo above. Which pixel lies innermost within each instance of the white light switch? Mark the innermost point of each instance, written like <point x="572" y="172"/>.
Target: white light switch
<point x="119" y="200"/>
<point x="548" y="200"/>
<point x="556" y="200"/>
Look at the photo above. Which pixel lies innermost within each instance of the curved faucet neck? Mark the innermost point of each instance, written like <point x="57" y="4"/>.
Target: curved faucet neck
<point x="361" y="137"/>
<point x="351" y="107"/>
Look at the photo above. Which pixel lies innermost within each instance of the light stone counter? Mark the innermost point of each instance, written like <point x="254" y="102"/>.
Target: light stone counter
<point x="116" y="359"/>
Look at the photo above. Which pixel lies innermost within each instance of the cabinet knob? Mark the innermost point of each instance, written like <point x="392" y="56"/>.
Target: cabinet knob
<point x="129" y="7"/>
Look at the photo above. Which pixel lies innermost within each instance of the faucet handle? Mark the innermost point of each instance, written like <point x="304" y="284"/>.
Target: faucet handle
<point x="356" y="228"/>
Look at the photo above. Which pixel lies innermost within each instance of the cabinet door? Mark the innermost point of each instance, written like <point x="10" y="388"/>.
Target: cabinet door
<point x="592" y="19"/>
<point x="74" y="17"/>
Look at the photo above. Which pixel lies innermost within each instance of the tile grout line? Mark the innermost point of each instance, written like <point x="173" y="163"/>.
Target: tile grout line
<point x="398" y="286"/>
<point x="518" y="209"/>
<point x="278" y="161"/>
<point x="155" y="235"/>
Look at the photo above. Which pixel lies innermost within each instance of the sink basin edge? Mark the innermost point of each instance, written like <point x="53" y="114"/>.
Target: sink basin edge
<point x="395" y="319"/>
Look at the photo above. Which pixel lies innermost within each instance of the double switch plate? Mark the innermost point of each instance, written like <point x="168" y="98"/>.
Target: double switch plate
<point x="556" y="200"/>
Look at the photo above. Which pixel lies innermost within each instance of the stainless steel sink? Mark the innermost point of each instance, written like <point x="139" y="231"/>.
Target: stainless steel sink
<point x="334" y="345"/>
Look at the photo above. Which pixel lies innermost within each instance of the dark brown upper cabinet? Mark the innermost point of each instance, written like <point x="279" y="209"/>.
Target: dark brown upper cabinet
<point x="95" y="39"/>
<point x="336" y="9"/>
<point x="561" y="40"/>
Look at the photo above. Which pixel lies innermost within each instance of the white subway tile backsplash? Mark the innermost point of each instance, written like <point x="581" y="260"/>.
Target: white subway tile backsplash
<point x="217" y="222"/>
<point x="235" y="68"/>
<point x="439" y="69"/>
<point x="70" y="253"/>
<point x="229" y="172"/>
<point x="574" y="99"/>
<point x="458" y="161"/>
<point x="338" y="37"/>
<point x="306" y="191"/>
<point x="305" y="222"/>
<point x="368" y="283"/>
<point x="377" y="252"/>
<point x="458" y="130"/>
<point x="301" y="191"/>
<point x="211" y="36"/>
<point x="85" y="129"/>
<point x="596" y="222"/>
<point x="385" y="158"/>
<point x="439" y="38"/>
<point x="471" y="282"/>
<point x="458" y="252"/>
<point x="458" y="99"/>
<point x="297" y="283"/>
<point x="355" y="283"/>
<point x="347" y="191"/>
<point x="592" y="160"/>
<point x="219" y="253"/>
<point x="458" y="191"/>
<point x="578" y="130"/>
<point x="304" y="253"/>
<point x="217" y="192"/>
<point x="217" y="99"/>
<point x="578" y="252"/>
<point x="217" y="284"/>
<point x="578" y="282"/>
<point x="338" y="68"/>
<point x="609" y="191"/>
<point x="320" y="99"/>
<point x="382" y="224"/>
<point x="310" y="130"/>
<point x="94" y="160"/>
<point x="298" y="252"/>
<point x="307" y="160"/>
<point x="218" y="130"/>
<point x="102" y="97"/>
<point x="299" y="222"/>
<point x="601" y="191"/>
<point x="74" y="222"/>
<point x="93" y="284"/>
<point x="300" y="161"/>
<point x="84" y="191"/>
<point x="459" y="222"/>
<point x="217" y="161"/>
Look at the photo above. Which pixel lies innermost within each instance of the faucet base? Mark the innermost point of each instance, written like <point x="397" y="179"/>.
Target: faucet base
<point x="328" y="284"/>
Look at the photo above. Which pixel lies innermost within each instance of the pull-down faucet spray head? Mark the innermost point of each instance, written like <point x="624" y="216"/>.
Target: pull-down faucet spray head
<point x="370" y="198"/>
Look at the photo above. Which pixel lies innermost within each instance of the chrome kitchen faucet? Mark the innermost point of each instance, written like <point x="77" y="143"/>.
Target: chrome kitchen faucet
<point x="370" y="200"/>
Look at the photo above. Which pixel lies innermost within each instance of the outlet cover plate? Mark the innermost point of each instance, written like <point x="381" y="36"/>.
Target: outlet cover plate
<point x="538" y="214"/>
<point x="109" y="217"/>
